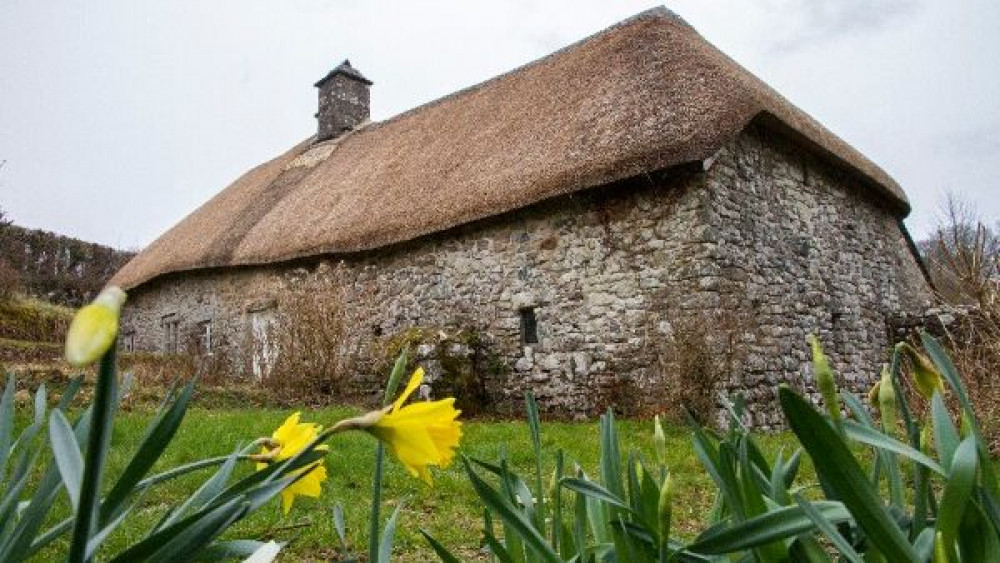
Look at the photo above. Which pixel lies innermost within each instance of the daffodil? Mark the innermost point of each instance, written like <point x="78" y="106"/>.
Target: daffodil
<point x="926" y="378"/>
<point x="873" y="393"/>
<point x="419" y="434"/>
<point x="824" y="379"/>
<point x="94" y="328"/>
<point x="288" y="440"/>
<point x="887" y="402"/>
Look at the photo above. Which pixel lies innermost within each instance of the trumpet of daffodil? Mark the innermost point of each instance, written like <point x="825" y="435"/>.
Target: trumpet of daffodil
<point x="419" y="434"/>
<point x="289" y="439"/>
<point x="94" y="328"/>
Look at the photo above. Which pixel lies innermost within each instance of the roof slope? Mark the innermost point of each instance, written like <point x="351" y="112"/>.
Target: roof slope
<point x="645" y="94"/>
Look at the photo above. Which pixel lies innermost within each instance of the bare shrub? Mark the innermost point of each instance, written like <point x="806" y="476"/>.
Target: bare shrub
<point x="696" y="342"/>
<point x="311" y="339"/>
<point x="963" y="257"/>
<point x="701" y="351"/>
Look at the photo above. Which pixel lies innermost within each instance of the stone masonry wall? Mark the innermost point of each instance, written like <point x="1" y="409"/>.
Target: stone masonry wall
<point x="766" y="231"/>
<point x="588" y="265"/>
<point x="806" y="250"/>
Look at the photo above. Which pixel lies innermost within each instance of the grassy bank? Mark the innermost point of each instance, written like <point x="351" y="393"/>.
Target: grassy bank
<point x="448" y="510"/>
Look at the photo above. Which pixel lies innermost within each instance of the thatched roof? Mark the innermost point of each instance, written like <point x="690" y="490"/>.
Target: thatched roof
<point x="646" y="94"/>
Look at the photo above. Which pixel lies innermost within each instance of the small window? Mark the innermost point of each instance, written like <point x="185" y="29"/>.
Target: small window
<point x="205" y="337"/>
<point x="128" y="342"/>
<point x="529" y="326"/>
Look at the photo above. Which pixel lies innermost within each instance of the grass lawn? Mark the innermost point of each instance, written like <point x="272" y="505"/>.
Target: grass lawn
<point x="448" y="510"/>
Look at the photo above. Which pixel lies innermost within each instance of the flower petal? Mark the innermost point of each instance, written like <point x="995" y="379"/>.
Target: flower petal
<point x="292" y="437"/>
<point x="415" y="380"/>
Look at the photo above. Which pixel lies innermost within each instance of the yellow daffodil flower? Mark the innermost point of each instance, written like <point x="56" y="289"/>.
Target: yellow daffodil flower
<point x="289" y="439"/>
<point x="418" y="434"/>
<point x="94" y="328"/>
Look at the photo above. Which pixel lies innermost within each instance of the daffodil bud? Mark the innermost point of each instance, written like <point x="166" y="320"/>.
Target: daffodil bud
<point x="887" y="402"/>
<point x="873" y="394"/>
<point x="553" y="484"/>
<point x="824" y="379"/>
<point x="659" y="440"/>
<point x="664" y="506"/>
<point x="926" y="378"/>
<point x="926" y="439"/>
<point x="966" y="427"/>
<point x="94" y="328"/>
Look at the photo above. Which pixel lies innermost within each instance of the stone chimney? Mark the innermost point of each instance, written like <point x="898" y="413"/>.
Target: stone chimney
<point x="344" y="100"/>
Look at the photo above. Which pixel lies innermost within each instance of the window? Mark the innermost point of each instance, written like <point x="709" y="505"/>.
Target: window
<point x="171" y="326"/>
<point x="128" y="342"/>
<point x="205" y="337"/>
<point x="529" y="326"/>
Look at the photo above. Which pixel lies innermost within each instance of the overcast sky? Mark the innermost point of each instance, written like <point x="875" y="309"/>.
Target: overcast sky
<point x="118" y="118"/>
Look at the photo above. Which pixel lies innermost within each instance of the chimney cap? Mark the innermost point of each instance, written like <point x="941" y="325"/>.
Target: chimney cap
<point x="346" y="69"/>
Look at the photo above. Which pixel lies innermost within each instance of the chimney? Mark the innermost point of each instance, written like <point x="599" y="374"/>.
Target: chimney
<point x="344" y="100"/>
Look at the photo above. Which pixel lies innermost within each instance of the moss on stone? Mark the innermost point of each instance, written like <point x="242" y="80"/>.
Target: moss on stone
<point x="459" y="362"/>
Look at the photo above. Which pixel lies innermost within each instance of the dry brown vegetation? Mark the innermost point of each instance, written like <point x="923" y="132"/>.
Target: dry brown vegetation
<point x="963" y="258"/>
<point x="696" y="358"/>
<point x="312" y="342"/>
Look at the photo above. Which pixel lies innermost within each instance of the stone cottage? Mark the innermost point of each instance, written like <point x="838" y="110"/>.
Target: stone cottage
<point x="576" y="213"/>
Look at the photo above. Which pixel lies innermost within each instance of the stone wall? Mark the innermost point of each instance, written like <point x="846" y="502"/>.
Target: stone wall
<point x="806" y="249"/>
<point x="770" y="235"/>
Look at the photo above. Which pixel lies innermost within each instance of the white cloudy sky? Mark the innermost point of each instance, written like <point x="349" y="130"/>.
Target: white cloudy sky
<point x="118" y="118"/>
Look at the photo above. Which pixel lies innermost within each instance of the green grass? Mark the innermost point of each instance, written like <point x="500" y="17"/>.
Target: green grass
<point x="448" y="510"/>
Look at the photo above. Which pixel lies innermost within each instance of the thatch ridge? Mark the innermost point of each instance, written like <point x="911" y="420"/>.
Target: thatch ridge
<point x="643" y="95"/>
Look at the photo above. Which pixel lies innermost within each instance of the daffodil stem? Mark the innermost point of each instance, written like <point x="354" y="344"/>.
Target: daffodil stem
<point x="98" y="441"/>
<point x="376" y="504"/>
<point x="200" y="464"/>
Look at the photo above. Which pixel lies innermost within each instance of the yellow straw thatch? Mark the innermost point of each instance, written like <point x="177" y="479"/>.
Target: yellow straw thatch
<point x="646" y="94"/>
